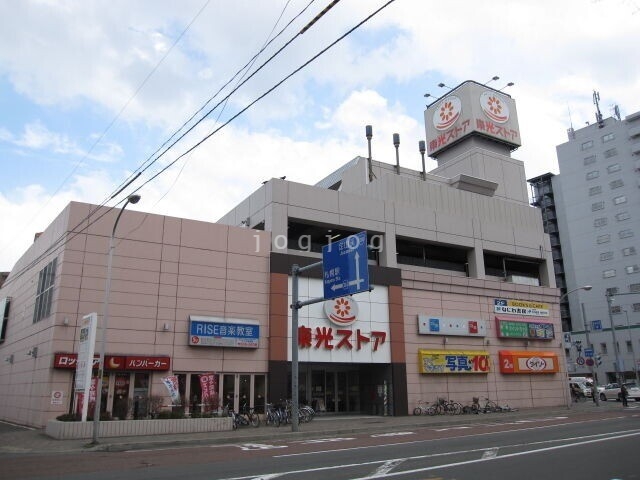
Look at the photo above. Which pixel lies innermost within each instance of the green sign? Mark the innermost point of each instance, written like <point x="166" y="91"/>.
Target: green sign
<point x="532" y="330"/>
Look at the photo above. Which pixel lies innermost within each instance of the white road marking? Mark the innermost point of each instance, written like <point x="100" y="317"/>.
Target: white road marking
<point x="259" y="446"/>
<point x="392" y="434"/>
<point x="611" y="436"/>
<point x="450" y="428"/>
<point x="324" y="440"/>
<point x="387" y="466"/>
<point x="491" y="453"/>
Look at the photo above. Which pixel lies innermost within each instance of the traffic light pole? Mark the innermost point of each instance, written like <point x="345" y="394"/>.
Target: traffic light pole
<point x="594" y="388"/>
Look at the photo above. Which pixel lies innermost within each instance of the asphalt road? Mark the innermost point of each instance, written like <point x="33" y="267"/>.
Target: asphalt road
<point x="554" y="447"/>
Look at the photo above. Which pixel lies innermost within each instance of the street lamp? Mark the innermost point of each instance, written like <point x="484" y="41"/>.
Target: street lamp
<point x="584" y="287"/>
<point x="594" y="388"/>
<point x="616" y="350"/>
<point x="105" y="320"/>
<point x="633" y="350"/>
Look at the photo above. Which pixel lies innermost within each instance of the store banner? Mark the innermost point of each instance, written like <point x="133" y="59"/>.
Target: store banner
<point x="508" y="327"/>
<point x="527" y="361"/>
<point x="209" y="388"/>
<point x="454" y="361"/>
<point x="171" y="382"/>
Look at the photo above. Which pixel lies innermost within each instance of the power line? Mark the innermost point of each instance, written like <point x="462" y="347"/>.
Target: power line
<point x="139" y="171"/>
<point x="58" y="244"/>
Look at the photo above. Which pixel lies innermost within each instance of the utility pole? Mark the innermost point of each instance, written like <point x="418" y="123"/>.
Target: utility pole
<point x="594" y="388"/>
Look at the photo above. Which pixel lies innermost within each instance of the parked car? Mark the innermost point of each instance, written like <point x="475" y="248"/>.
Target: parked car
<point x="583" y="388"/>
<point x="612" y="392"/>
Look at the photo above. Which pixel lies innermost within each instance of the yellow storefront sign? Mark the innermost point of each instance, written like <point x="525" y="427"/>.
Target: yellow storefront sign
<point x="454" y="361"/>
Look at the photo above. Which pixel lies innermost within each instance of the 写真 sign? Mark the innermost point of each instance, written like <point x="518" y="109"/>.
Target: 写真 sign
<point x="453" y="361"/>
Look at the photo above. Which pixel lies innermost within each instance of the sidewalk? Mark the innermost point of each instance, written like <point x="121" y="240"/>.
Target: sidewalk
<point x="26" y="441"/>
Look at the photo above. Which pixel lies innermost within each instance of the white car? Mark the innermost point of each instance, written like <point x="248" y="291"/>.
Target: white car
<point x="612" y="392"/>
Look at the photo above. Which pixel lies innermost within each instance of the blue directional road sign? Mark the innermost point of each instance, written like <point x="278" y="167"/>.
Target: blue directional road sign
<point x="345" y="269"/>
<point x="596" y="324"/>
<point x="588" y="352"/>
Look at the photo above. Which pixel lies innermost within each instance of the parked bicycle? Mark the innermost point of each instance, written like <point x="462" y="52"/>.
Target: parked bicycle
<point x="247" y="416"/>
<point x="272" y="415"/>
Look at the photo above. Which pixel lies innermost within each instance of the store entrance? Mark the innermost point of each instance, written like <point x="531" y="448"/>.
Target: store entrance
<point x="341" y="388"/>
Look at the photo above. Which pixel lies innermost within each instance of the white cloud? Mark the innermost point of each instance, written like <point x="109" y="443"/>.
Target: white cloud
<point x="77" y="56"/>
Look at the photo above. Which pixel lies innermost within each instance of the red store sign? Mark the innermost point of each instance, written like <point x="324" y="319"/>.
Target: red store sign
<point x="116" y="362"/>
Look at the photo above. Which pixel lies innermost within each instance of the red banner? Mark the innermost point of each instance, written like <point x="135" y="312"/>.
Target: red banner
<point x="117" y="362"/>
<point x="209" y="388"/>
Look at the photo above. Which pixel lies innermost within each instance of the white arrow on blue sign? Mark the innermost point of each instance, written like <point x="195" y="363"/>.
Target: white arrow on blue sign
<point x="345" y="269"/>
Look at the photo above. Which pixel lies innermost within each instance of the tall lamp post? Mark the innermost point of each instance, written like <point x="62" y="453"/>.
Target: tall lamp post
<point x="616" y="350"/>
<point x="594" y="388"/>
<point x="633" y="350"/>
<point x="105" y="321"/>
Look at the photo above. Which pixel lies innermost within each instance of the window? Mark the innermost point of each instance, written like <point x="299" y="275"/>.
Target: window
<point x="613" y="168"/>
<point x="629" y="251"/>
<point x="616" y="309"/>
<point x="445" y="257"/>
<point x="625" y="233"/>
<point x="603" y="348"/>
<point x="595" y="191"/>
<point x="44" y="293"/>
<point x="616" y="184"/>
<point x="600" y="222"/>
<point x="608" y="137"/>
<point x="606" y="256"/>
<point x="636" y="307"/>
<point x="612" y="291"/>
<point x="623" y="216"/>
<point x="606" y="238"/>
<point x="632" y="268"/>
<point x="610" y="153"/>
<point x="629" y="346"/>
<point x="587" y="145"/>
<point x="597" y="206"/>
<point x="634" y="288"/>
<point x="609" y="273"/>
<point x="593" y="174"/>
<point x="620" y="200"/>
<point x="590" y="159"/>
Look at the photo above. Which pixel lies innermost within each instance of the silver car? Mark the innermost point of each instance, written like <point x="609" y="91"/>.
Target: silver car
<point x="612" y="392"/>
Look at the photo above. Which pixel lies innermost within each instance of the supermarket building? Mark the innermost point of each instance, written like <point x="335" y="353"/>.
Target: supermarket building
<point x="463" y="302"/>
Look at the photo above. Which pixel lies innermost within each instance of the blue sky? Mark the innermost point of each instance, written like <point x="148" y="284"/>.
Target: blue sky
<point x="90" y="89"/>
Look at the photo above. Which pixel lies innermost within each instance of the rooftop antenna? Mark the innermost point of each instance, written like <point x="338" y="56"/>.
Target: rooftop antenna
<point x="616" y="112"/>
<point x="396" y="143"/>
<point x="596" y="99"/>
<point x="422" y="149"/>
<point x="369" y="134"/>
<point x="571" y="133"/>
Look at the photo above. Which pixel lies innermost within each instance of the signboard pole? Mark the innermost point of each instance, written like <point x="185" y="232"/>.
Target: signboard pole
<point x="296" y="305"/>
<point x="84" y="365"/>
<point x="345" y="271"/>
<point x="594" y="388"/>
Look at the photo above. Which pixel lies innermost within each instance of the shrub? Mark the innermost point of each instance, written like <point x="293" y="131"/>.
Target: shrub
<point x="68" y="417"/>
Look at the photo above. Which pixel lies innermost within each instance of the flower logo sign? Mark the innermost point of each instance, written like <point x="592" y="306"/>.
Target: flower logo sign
<point x="494" y="107"/>
<point x="341" y="311"/>
<point x="447" y="112"/>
